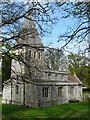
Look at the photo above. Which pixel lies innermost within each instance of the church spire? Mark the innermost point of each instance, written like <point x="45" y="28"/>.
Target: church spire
<point x="30" y="33"/>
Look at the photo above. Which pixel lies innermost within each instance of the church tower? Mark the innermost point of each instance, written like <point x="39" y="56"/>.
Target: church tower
<point x="31" y="51"/>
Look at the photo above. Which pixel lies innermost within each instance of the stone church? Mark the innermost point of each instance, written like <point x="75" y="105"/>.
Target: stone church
<point x="32" y="83"/>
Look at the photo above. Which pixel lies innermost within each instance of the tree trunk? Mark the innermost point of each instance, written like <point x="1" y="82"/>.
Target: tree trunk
<point x="11" y="91"/>
<point x="24" y="93"/>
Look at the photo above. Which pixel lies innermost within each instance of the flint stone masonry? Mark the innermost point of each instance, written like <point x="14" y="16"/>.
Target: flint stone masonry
<point x="40" y="86"/>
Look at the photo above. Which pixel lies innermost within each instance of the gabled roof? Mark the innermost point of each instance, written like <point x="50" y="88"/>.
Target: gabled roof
<point x="74" y="79"/>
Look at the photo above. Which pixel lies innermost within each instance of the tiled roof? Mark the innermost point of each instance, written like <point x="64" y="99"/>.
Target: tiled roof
<point x="74" y="79"/>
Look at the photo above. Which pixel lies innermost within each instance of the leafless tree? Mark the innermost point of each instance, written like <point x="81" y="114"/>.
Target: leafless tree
<point x="80" y="11"/>
<point x="14" y="33"/>
<point x="14" y="13"/>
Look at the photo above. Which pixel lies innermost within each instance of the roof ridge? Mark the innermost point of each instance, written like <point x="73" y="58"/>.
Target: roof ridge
<point x="77" y="78"/>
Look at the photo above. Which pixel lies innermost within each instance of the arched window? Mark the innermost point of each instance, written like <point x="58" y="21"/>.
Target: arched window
<point x="49" y="76"/>
<point x="34" y="54"/>
<point x="55" y="76"/>
<point x="45" y="92"/>
<point x="17" y="89"/>
<point x="39" y="55"/>
<point x="30" y="54"/>
<point x="60" y="91"/>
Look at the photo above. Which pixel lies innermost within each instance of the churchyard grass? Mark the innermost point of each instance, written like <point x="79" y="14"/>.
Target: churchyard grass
<point x="70" y="110"/>
<point x="0" y="99"/>
<point x="0" y="107"/>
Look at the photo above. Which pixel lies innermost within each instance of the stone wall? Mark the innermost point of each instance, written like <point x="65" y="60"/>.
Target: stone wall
<point x="77" y="95"/>
<point x="6" y="94"/>
<point x="10" y="96"/>
<point x="33" y="94"/>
